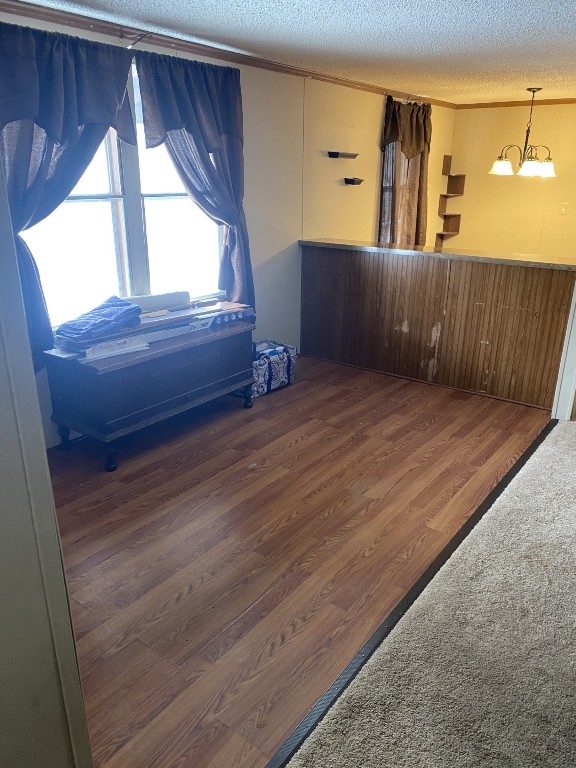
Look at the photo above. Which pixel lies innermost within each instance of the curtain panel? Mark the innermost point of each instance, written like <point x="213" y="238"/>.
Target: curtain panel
<point x="196" y="110"/>
<point x="406" y="136"/>
<point x="59" y="95"/>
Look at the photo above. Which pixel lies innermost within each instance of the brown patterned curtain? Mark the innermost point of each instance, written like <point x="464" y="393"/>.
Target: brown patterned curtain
<point x="196" y="110"/>
<point x="406" y="136"/>
<point x="59" y="95"/>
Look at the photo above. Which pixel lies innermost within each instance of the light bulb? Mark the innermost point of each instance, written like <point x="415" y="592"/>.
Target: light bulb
<point x="502" y="167"/>
<point x="529" y="168"/>
<point x="547" y="170"/>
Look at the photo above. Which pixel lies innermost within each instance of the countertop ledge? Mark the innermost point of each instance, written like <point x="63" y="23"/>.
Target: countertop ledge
<point x="520" y="259"/>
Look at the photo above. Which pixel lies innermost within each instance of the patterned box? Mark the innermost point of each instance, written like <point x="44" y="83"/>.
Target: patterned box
<point x="274" y="365"/>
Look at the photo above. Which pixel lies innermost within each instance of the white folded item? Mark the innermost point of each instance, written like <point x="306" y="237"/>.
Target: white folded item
<point x="159" y="301"/>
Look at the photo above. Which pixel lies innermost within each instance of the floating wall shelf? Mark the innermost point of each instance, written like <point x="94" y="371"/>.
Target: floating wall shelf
<point x="353" y="180"/>
<point x="336" y="153"/>
<point x="454" y="188"/>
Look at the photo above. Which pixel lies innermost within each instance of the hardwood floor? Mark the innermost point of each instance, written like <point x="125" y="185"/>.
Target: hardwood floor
<point x="237" y="560"/>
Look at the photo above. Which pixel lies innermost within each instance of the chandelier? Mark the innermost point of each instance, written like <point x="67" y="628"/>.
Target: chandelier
<point x="529" y="163"/>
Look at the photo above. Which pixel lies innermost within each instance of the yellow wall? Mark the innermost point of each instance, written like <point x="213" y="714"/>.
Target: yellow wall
<point x="442" y="130"/>
<point x="272" y="106"/>
<point x="348" y="120"/>
<point x="511" y="214"/>
<point x="336" y="117"/>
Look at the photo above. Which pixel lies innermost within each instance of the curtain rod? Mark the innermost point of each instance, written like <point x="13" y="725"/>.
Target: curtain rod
<point x="121" y="31"/>
<point x="175" y="44"/>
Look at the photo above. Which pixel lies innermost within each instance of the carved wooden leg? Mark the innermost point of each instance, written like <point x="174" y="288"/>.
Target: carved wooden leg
<point x="111" y="462"/>
<point x="248" y="396"/>
<point x="64" y="433"/>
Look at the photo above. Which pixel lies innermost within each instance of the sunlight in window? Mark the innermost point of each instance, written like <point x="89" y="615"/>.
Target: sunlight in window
<point x="96" y="178"/>
<point x="157" y="172"/>
<point x="128" y="227"/>
<point x="182" y="242"/>
<point x="76" y="256"/>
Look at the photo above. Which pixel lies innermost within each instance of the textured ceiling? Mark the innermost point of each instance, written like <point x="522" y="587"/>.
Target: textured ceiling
<point x="459" y="52"/>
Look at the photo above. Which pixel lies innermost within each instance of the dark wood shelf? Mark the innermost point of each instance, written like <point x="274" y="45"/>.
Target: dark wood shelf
<point x="455" y="184"/>
<point x="346" y="155"/>
<point x="454" y="188"/>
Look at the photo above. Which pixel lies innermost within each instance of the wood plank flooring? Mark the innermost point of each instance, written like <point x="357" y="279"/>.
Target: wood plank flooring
<point x="238" y="559"/>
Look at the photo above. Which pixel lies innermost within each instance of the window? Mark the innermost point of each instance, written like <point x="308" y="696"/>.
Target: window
<point x="128" y="228"/>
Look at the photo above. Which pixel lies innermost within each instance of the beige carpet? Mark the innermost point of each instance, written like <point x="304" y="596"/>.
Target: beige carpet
<point x="481" y="671"/>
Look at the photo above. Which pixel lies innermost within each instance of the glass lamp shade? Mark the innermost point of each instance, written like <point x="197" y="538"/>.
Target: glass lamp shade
<point x="547" y="170"/>
<point x="502" y="167"/>
<point x="529" y="168"/>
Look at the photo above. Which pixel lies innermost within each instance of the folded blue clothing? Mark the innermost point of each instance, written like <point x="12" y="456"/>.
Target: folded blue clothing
<point x="112" y="316"/>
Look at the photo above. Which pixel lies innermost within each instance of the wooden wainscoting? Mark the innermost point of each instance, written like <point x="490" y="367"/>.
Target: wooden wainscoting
<point x="504" y="330"/>
<point x="224" y="576"/>
<point x="384" y="314"/>
<point x="484" y="327"/>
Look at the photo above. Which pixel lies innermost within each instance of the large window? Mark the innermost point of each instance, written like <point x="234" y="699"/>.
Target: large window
<point x="128" y="228"/>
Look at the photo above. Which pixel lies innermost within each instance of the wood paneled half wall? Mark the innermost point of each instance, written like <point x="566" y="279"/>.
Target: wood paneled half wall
<point x="480" y="325"/>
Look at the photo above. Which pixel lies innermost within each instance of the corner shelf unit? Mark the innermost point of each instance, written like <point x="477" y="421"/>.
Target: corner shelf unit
<point x="454" y="188"/>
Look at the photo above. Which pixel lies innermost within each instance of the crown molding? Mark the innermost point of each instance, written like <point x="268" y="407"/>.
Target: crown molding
<point x="176" y="44"/>
<point x="524" y="103"/>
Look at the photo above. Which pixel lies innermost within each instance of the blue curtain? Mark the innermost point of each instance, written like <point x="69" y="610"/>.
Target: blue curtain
<point x="59" y="95"/>
<point x="196" y="110"/>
